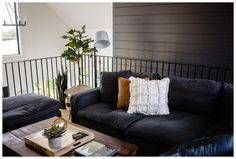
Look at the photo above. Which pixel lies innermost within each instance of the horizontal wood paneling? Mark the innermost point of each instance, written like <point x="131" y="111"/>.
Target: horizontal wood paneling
<point x="216" y="50"/>
<point x="194" y="33"/>
<point x="176" y="28"/>
<point x="173" y="57"/>
<point x="176" y="18"/>
<point x="184" y="8"/>
<point x="197" y="39"/>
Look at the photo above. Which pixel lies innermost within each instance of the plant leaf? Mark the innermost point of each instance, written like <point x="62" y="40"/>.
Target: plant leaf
<point x="66" y="36"/>
<point x="71" y="32"/>
<point x="83" y="27"/>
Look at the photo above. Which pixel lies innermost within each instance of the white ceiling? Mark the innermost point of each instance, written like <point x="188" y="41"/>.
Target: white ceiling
<point x="93" y="15"/>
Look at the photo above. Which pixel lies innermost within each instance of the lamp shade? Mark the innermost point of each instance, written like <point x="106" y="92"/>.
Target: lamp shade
<point x="102" y="40"/>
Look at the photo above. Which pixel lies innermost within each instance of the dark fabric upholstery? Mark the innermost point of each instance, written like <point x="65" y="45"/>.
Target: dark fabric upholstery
<point x="197" y="96"/>
<point x="119" y="119"/>
<point x="152" y="76"/>
<point x="105" y="114"/>
<point x="95" y="110"/>
<point x="208" y="146"/>
<point x="26" y="109"/>
<point x="226" y="107"/>
<point x="109" y="86"/>
<point x="170" y="130"/>
<point x="146" y="147"/>
<point x="219" y="128"/>
<point x="83" y="99"/>
<point x="92" y="124"/>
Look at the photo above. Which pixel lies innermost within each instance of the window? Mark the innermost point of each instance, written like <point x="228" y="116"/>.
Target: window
<point x="10" y="31"/>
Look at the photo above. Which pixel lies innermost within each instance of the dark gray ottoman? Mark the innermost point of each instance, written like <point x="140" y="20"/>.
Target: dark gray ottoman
<point x="26" y="109"/>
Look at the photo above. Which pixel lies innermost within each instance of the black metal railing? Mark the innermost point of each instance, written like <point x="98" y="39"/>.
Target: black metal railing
<point x="38" y="75"/>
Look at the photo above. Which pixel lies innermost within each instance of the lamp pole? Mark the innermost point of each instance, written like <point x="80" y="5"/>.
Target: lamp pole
<point x="95" y="66"/>
<point x="102" y="41"/>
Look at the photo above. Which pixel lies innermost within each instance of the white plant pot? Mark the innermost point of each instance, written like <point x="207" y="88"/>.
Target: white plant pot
<point x="54" y="143"/>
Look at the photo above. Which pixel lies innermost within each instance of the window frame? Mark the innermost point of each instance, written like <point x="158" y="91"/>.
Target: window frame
<point x="18" y="53"/>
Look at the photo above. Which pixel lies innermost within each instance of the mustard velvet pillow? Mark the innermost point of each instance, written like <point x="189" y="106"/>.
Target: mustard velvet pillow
<point x="123" y="92"/>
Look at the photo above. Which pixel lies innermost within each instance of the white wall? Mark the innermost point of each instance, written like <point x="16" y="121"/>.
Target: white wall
<point x="41" y="37"/>
<point x="96" y="17"/>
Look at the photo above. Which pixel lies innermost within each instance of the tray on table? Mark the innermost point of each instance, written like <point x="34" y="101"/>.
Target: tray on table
<point x="39" y="142"/>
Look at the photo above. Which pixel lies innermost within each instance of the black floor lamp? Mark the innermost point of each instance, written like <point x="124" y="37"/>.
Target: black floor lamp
<point x="102" y="41"/>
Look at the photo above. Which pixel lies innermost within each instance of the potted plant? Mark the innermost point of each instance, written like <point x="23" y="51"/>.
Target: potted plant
<point x="55" y="132"/>
<point x="61" y="85"/>
<point x="78" y="44"/>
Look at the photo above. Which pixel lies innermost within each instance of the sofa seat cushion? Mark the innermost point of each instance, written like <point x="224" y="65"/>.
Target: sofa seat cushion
<point x="170" y="130"/>
<point x="28" y="108"/>
<point x="106" y="115"/>
<point x="119" y="119"/>
<point x="95" y="110"/>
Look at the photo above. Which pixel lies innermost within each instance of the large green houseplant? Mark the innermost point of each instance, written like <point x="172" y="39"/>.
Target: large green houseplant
<point x="78" y="44"/>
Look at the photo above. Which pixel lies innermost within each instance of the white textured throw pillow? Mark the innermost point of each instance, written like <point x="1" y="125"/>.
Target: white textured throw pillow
<point x="149" y="97"/>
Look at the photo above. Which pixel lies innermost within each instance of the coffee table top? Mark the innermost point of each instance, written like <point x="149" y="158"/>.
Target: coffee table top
<point x="14" y="140"/>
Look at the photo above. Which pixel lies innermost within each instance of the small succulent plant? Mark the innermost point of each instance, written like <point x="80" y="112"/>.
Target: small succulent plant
<point x="54" y="131"/>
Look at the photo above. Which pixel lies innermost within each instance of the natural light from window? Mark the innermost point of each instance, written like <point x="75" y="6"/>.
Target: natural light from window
<point x="8" y="33"/>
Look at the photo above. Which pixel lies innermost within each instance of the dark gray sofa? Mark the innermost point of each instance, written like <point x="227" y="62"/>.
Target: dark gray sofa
<point x="26" y="109"/>
<point x="198" y="108"/>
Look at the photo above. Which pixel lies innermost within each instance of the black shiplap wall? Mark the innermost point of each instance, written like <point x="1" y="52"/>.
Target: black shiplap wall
<point x="193" y="33"/>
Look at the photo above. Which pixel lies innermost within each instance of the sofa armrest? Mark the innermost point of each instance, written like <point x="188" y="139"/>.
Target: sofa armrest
<point x="221" y="145"/>
<point x="83" y="99"/>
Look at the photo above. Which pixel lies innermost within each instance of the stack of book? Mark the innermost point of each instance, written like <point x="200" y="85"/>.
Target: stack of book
<point x="94" y="148"/>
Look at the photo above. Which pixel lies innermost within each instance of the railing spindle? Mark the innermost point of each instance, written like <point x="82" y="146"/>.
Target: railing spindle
<point x="225" y="75"/>
<point x="202" y="71"/>
<point x="21" y="91"/>
<point x="42" y="76"/>
<point x="7" y="76"/>
<point x="181" y="70"/>
<point x="151" y="67"/>
<point x="187" y="70"/>
<point x="168" y="72"/>
<point x="209" y="73"/>
<point x="53" y="86"/>
<point x="13" y="77"/>
<point x="217" y="74"/>
<point x="26" y="81"/>
<point x="194" y="73"/>
<point x="32" y="80"/>
<point x="37" y="75"/>
<point x="74" y="74"/>
<point x="162" y="71"/>
<point x="175" y="69"/>
<point x="48" y="84"/>
<point x="140" y="67"/>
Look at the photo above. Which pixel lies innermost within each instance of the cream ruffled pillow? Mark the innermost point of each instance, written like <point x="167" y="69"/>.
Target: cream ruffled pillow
<point x="149" y="97"/>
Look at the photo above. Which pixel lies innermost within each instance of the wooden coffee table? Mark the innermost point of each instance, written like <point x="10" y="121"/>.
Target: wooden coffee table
<point x="14" y="145"/>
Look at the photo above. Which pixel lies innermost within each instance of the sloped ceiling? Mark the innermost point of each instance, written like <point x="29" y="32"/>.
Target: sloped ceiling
<point x="93" y="15"/>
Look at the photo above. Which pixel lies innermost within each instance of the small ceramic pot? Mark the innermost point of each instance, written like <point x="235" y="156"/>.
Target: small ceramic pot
<point x="54" y="143"/>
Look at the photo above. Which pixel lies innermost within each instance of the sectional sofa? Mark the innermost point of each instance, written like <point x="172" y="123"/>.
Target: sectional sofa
<point x="199" y="108"/>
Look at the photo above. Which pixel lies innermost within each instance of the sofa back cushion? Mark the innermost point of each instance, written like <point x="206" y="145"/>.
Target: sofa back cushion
<point x="109" y="85"/>
<point x="226" y="104"/>
<point x="151" y="76"/>
<point x="197" y="96"/>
